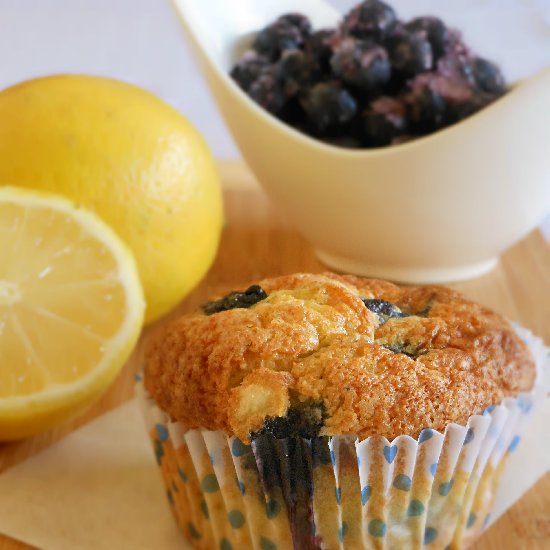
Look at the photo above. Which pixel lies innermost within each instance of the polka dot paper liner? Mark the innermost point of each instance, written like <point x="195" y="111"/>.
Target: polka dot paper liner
<point x="435" y="492"/>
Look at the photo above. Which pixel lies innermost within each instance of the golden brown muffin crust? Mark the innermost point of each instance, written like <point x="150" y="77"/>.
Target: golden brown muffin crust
<point x="313" y="343"/>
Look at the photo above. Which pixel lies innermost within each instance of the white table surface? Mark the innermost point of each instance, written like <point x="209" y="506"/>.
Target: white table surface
<point x="141" y="41"/>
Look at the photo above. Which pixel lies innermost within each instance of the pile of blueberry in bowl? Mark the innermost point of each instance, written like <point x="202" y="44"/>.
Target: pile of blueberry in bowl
<point x="373" y="81"/>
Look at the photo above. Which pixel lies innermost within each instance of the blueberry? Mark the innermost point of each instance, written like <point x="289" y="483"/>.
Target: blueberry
<point x="456" y="66"/>
<point x="295" y="71"/>
<point x="360" y="64"/>
<point x="446" y="96"/>
<point x="406" y="348"/>
<point x="384" y="310"/>
<point x="301" y="22"/>
<point x="302" y="420"/>
<point x="410" y="53"/>
<point x="293" y="114"/>
<point x="246" y="299"/>
<point x="277" y="37"/>
<point x="470" y="106"/>
<point x="267" y="91"/>
<point x="328" y="105"/>
<point x="463" y="110"/>
<point x="372" y="19"/>
<point x="384" y="121"/>
<point x="379" y="131"/>
<point x="397" y="85"/>
<point x="248" y="69"/>
<point x="487" y="76"/>
<point x="436" y="31"/>
<point x="318" y="48"/>
<point x="426" y="110"/>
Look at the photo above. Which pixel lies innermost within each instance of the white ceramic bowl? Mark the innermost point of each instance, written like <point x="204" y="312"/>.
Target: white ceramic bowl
<point x="440" y="208"/>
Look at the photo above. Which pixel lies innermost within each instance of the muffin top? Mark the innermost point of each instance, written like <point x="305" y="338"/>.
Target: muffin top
<point x="316" y="355"/>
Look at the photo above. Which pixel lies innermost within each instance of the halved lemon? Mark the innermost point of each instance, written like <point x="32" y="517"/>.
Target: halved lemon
<point x="71" y="310"/>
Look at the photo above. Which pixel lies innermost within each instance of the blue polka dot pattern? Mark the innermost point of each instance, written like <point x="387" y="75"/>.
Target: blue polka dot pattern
<point x="183" y="475"/>
<point x="238" y="448"/>
<point x="236" y="519"/>
<point x="416" y="508"/>
<point x="522" y="402"/>
<point x="210" y="484"/>
<point x="390" y="452"/>
<point x="272" y="509"/>
<point x="241" y="486"/>
<point x="193" y="531"/>
<point x="365" y="494"/>
<point x="445" y="488"/>
<point x="266" y="544"/>
<point x="162" y="432"/>
<point x="402" y="482"/>
<point x="469" y="436"/>
<point x="212" y="459"/>
<point x="338" y="495"/>
<point x="472" y="518"/>
<point x="159" y="452"/>
<point x="204" y="509"/>
<point x="514" y="444"/>
<point x="225" y="545"/>
<point x="425" y="435"/>
<point x="332" y="458"/>
<point x="430" y="534"/>
<point x="342" y="531"/>
<point x="377" y="528"/>
<point x="433" y="469"/>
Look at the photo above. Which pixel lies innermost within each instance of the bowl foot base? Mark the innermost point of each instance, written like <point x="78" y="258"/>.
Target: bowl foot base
<point x="413" y="275"/>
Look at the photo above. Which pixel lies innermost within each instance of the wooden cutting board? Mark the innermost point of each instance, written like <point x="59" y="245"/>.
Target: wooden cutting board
<point x="258" y="242"/>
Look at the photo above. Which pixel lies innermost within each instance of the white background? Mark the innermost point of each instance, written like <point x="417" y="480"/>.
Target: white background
<point x="141" y="41"/>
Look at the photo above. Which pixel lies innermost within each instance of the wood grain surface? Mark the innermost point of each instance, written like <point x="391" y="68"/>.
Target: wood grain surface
<point x="258" y="242"/>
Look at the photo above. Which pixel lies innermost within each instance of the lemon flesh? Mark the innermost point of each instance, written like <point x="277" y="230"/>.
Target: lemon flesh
<point x="71" y="309"/>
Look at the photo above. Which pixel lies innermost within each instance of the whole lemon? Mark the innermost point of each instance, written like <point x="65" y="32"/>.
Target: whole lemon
<point x="131" y="158"/>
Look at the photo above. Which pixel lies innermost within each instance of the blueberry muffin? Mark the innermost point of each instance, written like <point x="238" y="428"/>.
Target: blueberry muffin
<point x="281" y="371"/>
<point x="330" y="355"/>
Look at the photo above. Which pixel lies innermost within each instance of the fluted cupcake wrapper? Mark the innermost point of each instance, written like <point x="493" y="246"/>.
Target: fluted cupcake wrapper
<point x="339" y="493"/>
